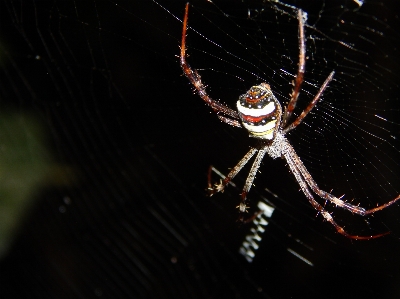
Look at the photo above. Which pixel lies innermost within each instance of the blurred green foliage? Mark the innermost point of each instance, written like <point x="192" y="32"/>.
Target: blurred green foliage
<point x="24" y="169"/>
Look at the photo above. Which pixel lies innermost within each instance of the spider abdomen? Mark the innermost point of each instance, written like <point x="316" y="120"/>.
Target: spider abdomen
<point x="260" y="112"/>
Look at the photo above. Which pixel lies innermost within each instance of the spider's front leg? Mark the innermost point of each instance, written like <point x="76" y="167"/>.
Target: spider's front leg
<point x="249" y="182"/>
<point x="250" y="179"/>
<point x="305" y="181"/>
<point x="217" y="187"/>
<point x="212" y="189"/>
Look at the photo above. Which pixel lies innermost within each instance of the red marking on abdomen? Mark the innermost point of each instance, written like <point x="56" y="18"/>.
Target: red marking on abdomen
<point x="253" y="99"/>
<point x="253" y="119"/>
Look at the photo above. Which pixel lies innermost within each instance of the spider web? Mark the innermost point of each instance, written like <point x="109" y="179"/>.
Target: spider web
<point x="105" y="150"/>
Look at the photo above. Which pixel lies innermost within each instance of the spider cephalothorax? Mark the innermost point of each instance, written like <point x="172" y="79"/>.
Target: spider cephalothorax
<point x="260" y="113"/>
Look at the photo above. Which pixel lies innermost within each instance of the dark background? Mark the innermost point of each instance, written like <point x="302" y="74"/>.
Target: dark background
<point x="118" y="147"/>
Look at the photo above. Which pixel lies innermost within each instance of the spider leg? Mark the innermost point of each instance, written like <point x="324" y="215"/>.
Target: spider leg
<point x="250" y="178"/>
<point x="300" y="73"/>
<point x="251" y="219"/>
<point x="195" y="79"/>
<point x="229" y="121"/>
<point x="328" y="217"/>
<point x="235" y="170"/>
<point x="327" y="196"/>
<point x="310" y="106"/>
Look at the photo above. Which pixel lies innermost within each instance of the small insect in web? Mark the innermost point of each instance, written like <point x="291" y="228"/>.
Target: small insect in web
<point x="260" y="113"/>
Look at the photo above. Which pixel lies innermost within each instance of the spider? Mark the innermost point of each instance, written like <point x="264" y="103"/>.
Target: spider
<point x="260" y="113"/>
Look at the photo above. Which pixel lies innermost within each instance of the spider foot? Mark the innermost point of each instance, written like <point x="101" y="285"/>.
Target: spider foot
<point x="218" y="187"/>
<point x="242" y="207"/>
